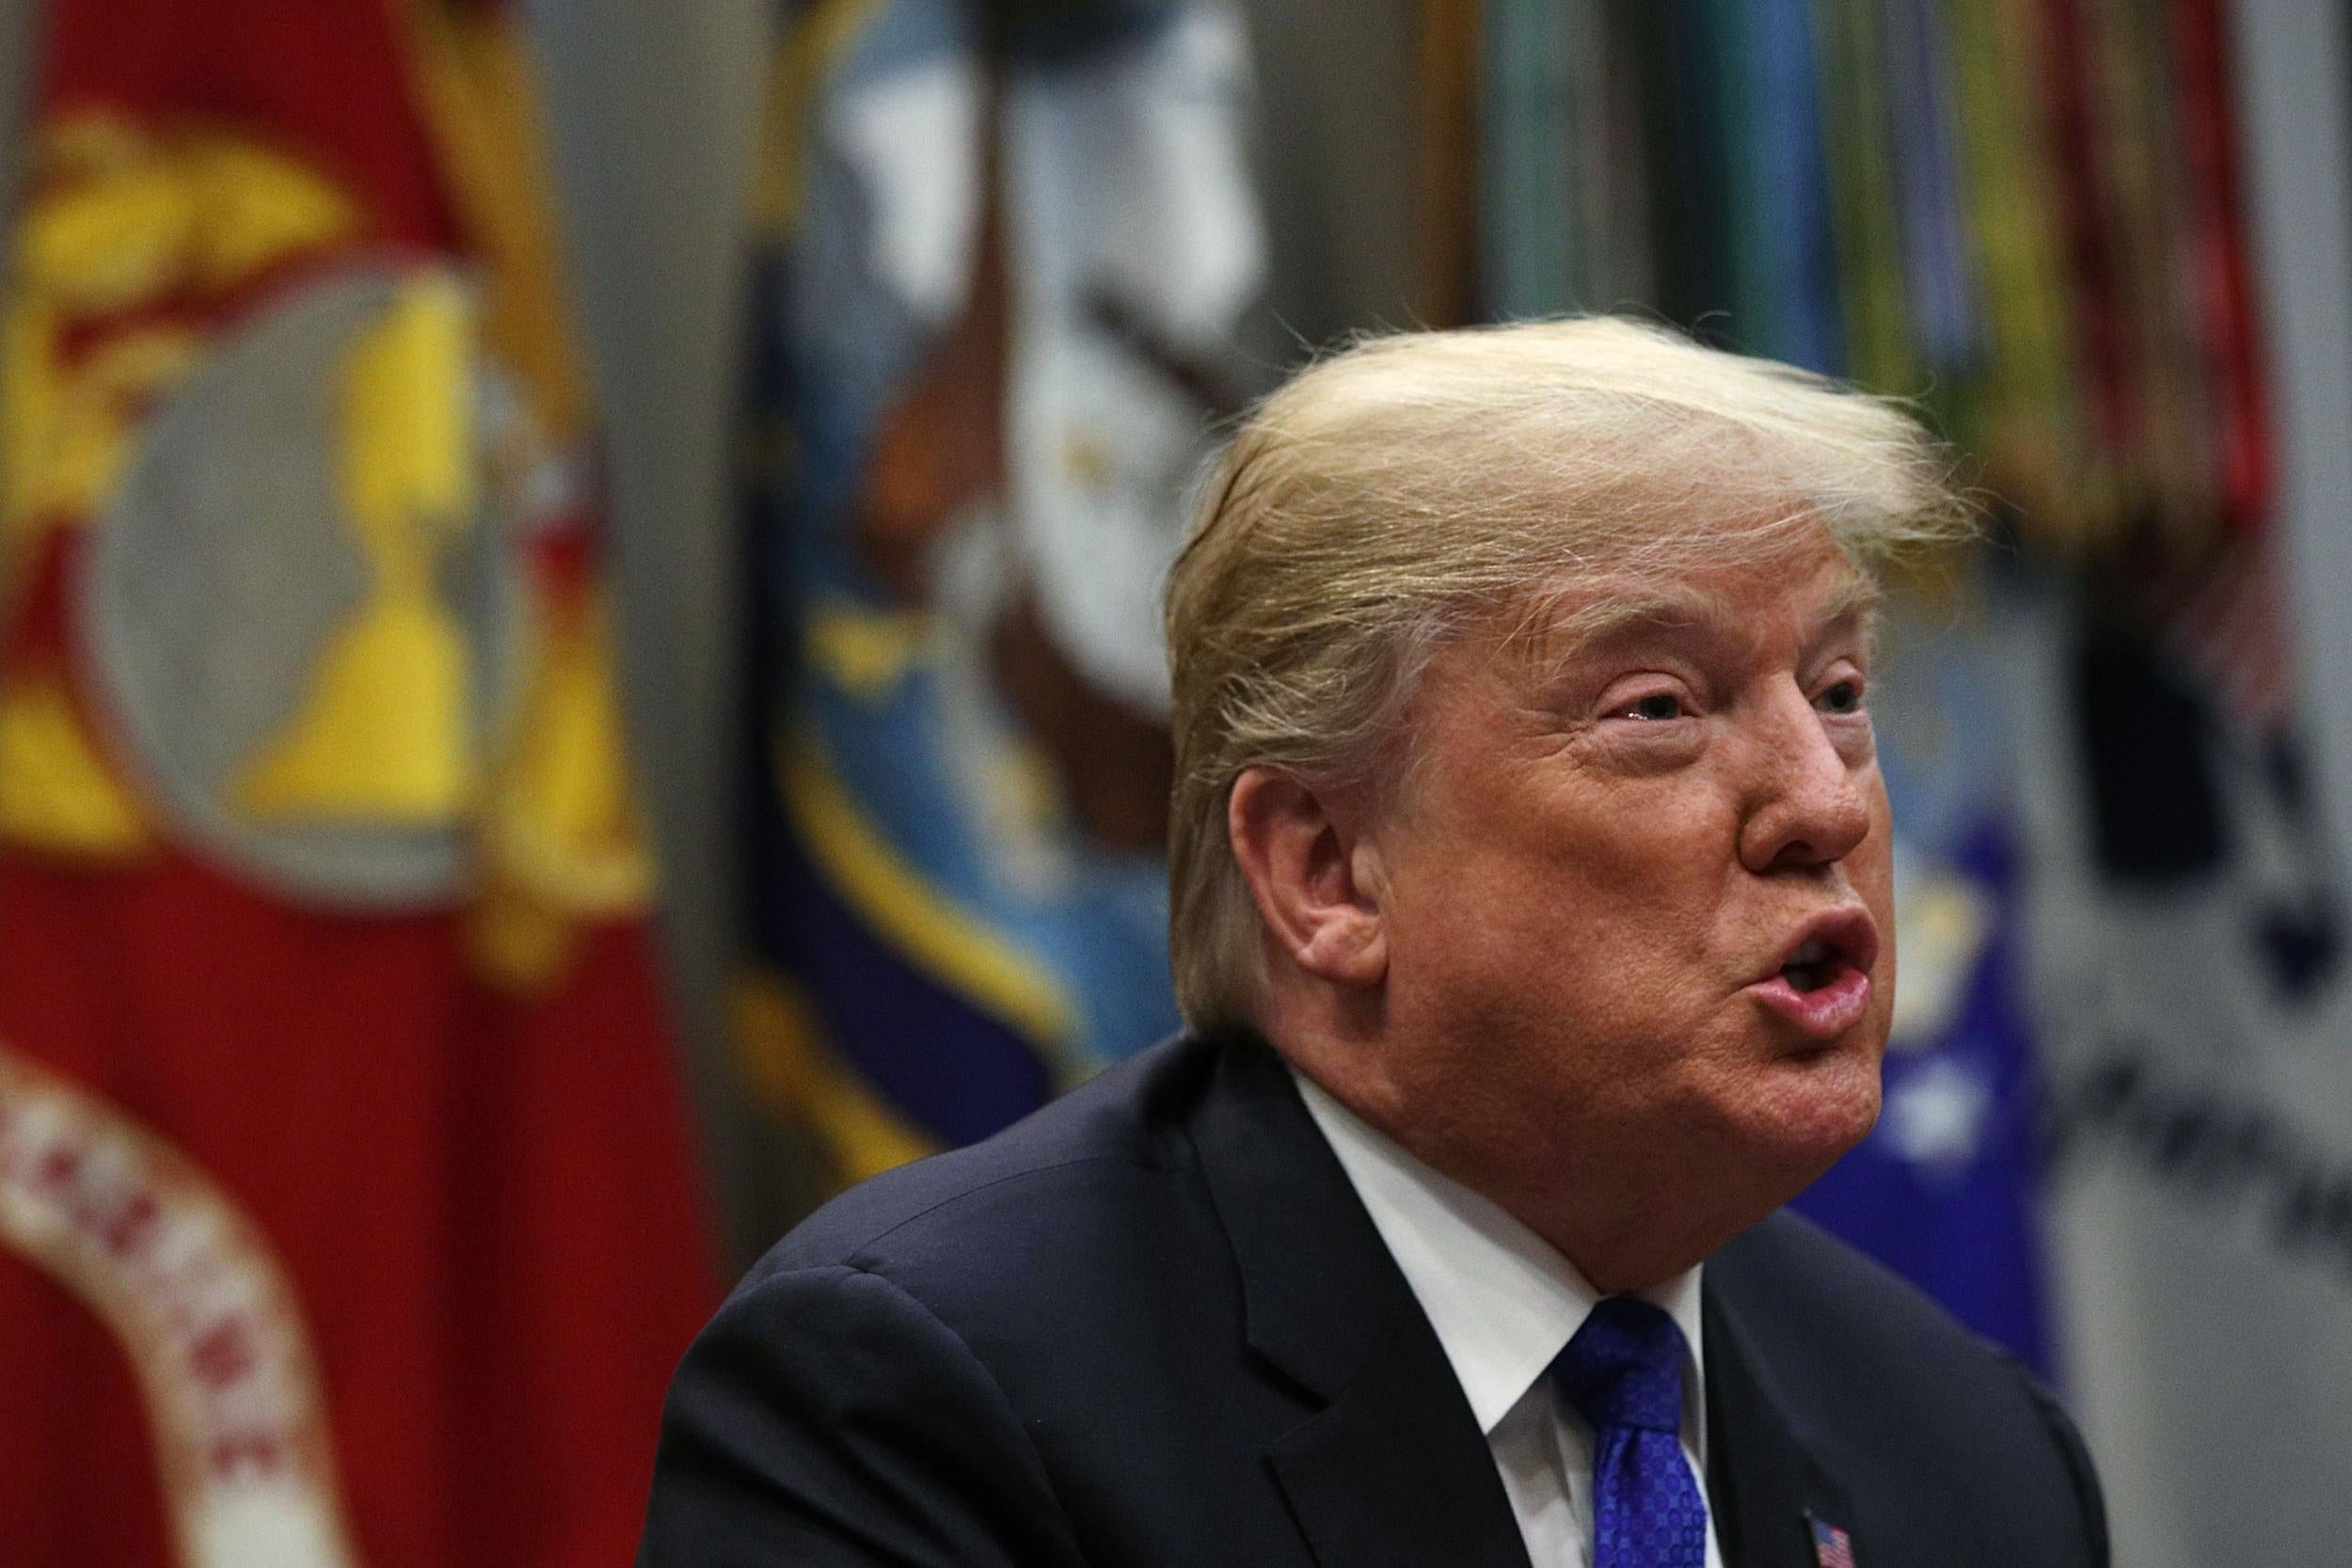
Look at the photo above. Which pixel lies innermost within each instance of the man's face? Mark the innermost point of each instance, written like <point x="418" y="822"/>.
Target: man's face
<point x="1637" y="892"/>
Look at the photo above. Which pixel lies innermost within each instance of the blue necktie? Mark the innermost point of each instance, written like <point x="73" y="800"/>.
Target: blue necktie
<point x="1624" y="1372"/>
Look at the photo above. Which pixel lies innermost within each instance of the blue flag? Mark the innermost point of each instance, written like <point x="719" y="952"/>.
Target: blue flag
<point x="994" y="324"/>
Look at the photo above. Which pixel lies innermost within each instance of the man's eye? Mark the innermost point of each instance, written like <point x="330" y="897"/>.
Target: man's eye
<point x="1658" y="705"/>
<point x="1843" y="697"/>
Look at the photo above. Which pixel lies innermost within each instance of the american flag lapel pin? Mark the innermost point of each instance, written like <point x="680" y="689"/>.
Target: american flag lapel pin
<point x="1831" y="1547"/>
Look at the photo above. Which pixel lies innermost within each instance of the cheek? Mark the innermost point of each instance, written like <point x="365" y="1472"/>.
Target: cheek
<point x="1614" y="882"/>
<point x="1654" y="891"/>
<point x="1603" y="909"/>
<point x="1603" y="944"/>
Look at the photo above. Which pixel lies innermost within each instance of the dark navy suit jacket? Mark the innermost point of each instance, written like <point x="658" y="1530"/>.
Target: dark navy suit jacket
<point x="1152" y="1325"/>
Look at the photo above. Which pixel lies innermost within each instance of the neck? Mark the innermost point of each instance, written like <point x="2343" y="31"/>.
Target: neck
<point x="1627" y="1216"/>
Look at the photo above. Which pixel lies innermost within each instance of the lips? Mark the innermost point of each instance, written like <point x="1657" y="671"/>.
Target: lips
<point x="1821" y="983"/>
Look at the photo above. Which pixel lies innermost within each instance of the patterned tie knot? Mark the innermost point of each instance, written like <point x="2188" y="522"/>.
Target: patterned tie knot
<point x="1623" y="1367"/>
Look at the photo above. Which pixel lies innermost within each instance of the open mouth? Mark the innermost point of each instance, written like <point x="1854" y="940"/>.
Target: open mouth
<point x="1822" y="984"/>
<point x="1812" y="966"/>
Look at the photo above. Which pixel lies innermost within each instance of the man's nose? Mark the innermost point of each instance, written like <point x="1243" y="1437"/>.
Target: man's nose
<point x="1808" y="801"/>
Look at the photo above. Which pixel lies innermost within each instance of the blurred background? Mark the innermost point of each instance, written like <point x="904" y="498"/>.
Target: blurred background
<point x="578" y="666"/>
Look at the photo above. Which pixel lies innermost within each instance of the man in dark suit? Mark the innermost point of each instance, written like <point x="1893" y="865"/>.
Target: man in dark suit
<point x="1532" y="914"/>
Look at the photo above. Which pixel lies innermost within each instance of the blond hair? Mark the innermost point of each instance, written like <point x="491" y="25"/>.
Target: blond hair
<point x="1392" y="495"/>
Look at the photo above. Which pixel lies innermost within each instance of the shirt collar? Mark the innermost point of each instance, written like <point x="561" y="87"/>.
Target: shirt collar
<point x="1503" y="1303"/>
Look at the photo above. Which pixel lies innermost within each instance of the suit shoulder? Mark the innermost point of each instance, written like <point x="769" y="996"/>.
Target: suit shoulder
<point x="1824" y="1306"/>
<point x="1792" y="1271"/>
<point x="1086" y="1146"/>
<point x="1882" y="1383"/>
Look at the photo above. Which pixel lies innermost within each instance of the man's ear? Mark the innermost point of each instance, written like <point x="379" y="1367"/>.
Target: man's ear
<point x="1316" y="881"/>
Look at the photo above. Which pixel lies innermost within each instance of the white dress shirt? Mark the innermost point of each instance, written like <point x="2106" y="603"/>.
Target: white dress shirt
<point x="1504" y="1304"/>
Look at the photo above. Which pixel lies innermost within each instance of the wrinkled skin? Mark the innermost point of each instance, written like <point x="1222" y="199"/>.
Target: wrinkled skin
<point x="1541" y="955"/>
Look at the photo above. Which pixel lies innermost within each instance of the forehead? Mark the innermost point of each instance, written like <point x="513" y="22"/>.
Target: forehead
<point x="1801" y="594"/>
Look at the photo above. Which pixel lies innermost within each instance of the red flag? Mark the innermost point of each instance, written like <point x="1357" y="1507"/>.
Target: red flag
<point x="346" y="1209"/>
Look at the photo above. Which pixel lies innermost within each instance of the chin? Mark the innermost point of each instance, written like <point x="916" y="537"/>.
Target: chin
<point x="1820" y="1105"/>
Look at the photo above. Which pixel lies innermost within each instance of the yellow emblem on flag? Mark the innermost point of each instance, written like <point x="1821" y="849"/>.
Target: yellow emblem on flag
<point x="384" y="735"/>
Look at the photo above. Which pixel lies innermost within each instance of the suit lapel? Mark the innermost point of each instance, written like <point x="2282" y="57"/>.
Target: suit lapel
<point x="1390" y="1469"/>
<point x="1375" y="1482"/>
<point x="1762" y="1478"/>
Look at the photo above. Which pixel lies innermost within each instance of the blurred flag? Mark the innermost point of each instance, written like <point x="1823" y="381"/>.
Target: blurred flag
<point x="2190" y="914"/>
<point x="1563" y="194"/>
<point x="1012" y="243"/>
<point x="346" y="1210"/>
<point x="1530" y="113"/>
<point x="2189" y="964"/>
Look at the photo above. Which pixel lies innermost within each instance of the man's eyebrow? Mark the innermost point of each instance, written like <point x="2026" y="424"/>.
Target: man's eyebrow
<point x="1557" y="633"/>
<point x="1856" y="603"/>
<point x="1613" y="616"/>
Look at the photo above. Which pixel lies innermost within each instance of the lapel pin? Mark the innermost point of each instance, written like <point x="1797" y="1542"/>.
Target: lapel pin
<point x="1831" y="1547"/>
